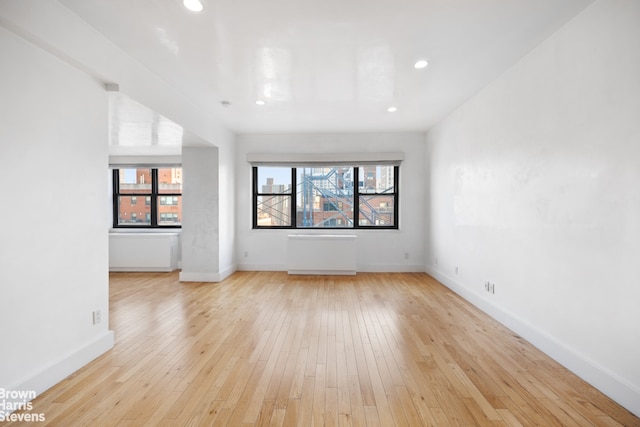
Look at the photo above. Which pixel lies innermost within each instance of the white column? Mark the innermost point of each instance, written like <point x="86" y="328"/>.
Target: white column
<point x="200" y="215"/>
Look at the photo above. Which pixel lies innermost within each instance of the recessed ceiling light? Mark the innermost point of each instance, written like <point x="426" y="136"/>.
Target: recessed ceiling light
<point x="421" y="64"/>
<point x="225" y="103"/>
<point x="392" y="109"/>
<point x="193" y="5"/>
<point x="260" y="102"/>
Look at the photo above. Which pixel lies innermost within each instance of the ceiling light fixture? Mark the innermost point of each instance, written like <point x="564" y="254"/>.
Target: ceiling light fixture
<point x="193" y="5"/>
<point x="392" y="109"/>
<point x="260" y="102"/>
<point x="421" y="64"/>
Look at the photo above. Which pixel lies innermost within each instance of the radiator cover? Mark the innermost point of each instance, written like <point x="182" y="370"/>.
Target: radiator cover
<point x="321" y="254"/>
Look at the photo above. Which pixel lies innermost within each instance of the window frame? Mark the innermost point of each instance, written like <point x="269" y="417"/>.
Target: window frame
<point x="357" y="195"/>
<point x="153" y="198"/>
<point x="356" y="200"/>
<point x="256" y="194"/>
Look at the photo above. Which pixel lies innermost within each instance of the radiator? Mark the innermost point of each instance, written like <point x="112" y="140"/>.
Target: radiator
<point x="321" y="254"/>
<point x="143" y="251"/>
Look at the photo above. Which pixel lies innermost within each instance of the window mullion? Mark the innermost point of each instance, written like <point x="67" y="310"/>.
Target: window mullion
<point x="154" y="197"/>
<point x="396" y="204"/>
<point x="116" y="196"/>
<point x="356" y="197"/>
<point x="254" y="185"/>
<point x="294" y="190"/>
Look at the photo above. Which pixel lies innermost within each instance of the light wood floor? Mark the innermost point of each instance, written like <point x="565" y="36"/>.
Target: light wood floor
<point x="272" y="349"/>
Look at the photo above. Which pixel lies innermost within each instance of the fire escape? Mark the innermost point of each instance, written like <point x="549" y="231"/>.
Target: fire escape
<point x="336" y="189"/>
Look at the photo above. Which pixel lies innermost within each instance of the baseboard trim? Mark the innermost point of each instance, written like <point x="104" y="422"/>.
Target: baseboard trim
<point x="141" y="269"/>
<point x="67" y="365"/>
<point x="392" y="268"/>
<point x="409" y="268"/>
<point x="262" y="267"/>
<point x="199" y="277"/>
<point x="323" y="272"/>
<point x="617" y="388"/>
<point x="226" y="272"/>
<point x="207" y="277"/>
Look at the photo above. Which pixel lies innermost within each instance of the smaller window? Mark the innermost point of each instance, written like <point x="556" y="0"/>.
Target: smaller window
<point x="162" y="192"/>
<point x="377" y="198"/>
<point x="273" y="197"/>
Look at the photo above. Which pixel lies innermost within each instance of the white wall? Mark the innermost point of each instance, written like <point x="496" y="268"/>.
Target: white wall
<point x="378" y="250"/>
<point x="55" y="217"/>
<point x="534" y="186"/>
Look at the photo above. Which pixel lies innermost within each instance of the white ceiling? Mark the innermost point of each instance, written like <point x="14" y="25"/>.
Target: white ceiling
<point x="134" y="129"/>
<point x="330" y="65"/>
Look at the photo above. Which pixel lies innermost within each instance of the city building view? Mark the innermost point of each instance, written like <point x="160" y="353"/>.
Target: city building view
<point x="145" y="203"/>
<point x="326" y="197"/>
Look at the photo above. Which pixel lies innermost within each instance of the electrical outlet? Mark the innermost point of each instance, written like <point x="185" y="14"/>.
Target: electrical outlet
<point x="490" y="287"/>
<point x="456" y="270"/>
<point x="246" y="254"/>
<point x="406" y="255"/>
<point x="97" y="317"/>
<point x="436" y="260"/>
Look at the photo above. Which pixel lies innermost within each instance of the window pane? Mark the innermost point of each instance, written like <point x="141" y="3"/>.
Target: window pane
<point x="133" y="214"/>
<point x="376" y="211"/>
<point x="170" y="180"/>
<point x="274" y="211"/>
<point x="170" y="212"/>
<point x="324" y="197"/>
<point x="376" y="179"/>
<point x="135" y="181"/>
<point x="274" y="180"/>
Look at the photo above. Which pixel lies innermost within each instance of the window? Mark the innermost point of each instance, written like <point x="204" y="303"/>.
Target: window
<point x="326" y="197"/>
<point x="272" y="203"/>
<point x="161" y="189"/>
<point x="377" y="196"/>
<point x="164" y="200"/>
<point x="168" y="218"/>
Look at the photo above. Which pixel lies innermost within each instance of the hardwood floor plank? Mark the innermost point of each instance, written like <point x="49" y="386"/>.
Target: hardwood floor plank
<point x="319" y="396"/>
<point x="371" y="415"/>
<point x="240" y="410"/>
<point x="305" y="415"/>
<point x="269" y="349"/>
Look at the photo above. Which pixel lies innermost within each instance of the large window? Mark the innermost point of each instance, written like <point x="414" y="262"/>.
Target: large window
<point x="325" y="197"/>
<point x="161" y="190"/>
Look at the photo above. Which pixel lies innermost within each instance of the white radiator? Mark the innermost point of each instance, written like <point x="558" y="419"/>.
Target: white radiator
<point x="143" y="251"/>
<point x="321" y="254"/>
